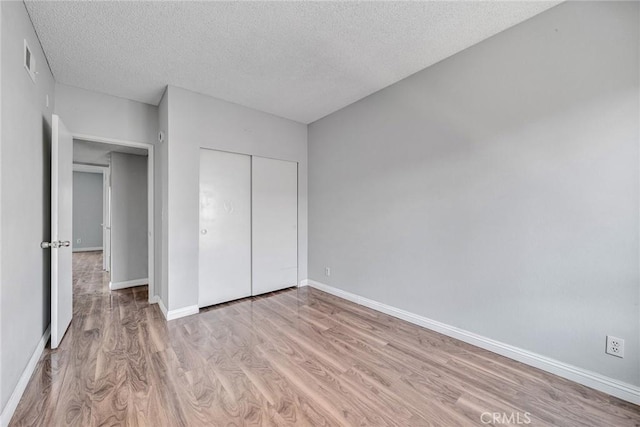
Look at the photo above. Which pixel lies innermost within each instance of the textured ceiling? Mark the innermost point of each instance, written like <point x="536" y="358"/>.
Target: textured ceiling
<point x="299" y="60"/>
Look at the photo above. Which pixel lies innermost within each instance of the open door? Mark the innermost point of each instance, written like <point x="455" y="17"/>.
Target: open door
<point x="61" y="230"/>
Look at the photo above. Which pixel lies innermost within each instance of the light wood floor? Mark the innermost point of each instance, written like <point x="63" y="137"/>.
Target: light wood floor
<point x="295" y="357"/>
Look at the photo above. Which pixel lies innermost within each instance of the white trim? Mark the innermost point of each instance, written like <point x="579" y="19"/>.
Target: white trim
<point x="13" y="401"/>
<point x="114" y="286"/>
<point x="97" y="248"/>
<point x="619" y="389"/>
<point x="150" y="198"/>
<point x="182" y="312"/>
<point x="303" y="283"/>
<point x="175" y="314"/>
<point x="128" y="143"/>
<point x="151" y="245"/>
<point x="80" y="167"/>
<point x="106" y="220"/>
<point x="2" y="415"/>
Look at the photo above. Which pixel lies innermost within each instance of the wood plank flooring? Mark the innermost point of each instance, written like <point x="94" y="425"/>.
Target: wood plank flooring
<point x="295" y="357"/>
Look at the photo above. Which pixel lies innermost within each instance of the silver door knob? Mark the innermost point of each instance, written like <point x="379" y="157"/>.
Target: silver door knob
<point x="55" y="244"/>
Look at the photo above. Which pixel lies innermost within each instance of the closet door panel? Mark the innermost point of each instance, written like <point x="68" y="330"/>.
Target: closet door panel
<point x="274" y="224"/>
<point x="225" y="227"/>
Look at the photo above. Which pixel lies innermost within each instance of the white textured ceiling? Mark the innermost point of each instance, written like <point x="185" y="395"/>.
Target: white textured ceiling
<point x="299" y="60"/>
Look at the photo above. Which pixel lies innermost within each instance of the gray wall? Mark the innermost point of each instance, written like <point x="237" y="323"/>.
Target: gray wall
<point x="96" y="114"/>
<point x="497" y="191"/>
<point x="129" y="229"/>
<point x="200" y="121"/>
<point x="25" y="197"/>
<point x="87" y="210"/>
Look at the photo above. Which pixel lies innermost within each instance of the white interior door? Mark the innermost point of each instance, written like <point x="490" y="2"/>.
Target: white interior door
<point x="225" y="227"/>
<point x="61" y="230"/>
<point x="274" y="224"/>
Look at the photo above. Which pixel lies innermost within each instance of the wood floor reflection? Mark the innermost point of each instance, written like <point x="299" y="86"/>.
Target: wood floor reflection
<point x="295" y="357"/>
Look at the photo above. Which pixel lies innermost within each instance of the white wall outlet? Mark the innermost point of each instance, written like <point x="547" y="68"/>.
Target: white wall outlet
<point x="78" y="241"/>
<point x="327" y="271"/>
<point x="615" y="346"/>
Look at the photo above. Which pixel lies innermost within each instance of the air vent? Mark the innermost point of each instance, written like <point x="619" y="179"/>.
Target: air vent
<point x="29" y="62"/>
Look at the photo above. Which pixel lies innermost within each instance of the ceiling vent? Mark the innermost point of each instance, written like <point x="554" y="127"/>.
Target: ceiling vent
<point x="29" y="62"/>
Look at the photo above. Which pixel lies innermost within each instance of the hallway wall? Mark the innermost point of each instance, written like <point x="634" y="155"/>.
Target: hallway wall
<point x="87" y="210"/>
<point x="25" y="194"/>
<point x="92" y="113"/>
<point x="129" y="225"/>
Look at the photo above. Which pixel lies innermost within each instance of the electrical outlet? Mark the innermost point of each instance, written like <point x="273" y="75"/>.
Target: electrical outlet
<point x="78" y="241"/>
<point x="615" y="346"/>
<point x="327" y="271"/>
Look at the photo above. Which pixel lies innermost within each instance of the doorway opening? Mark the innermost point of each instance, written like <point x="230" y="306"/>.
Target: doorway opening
<point x="112" y="241"/>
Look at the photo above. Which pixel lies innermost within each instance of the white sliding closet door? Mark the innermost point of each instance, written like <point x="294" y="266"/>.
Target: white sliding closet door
<point x="274" y="224"/>
<point x="225" y="227"/>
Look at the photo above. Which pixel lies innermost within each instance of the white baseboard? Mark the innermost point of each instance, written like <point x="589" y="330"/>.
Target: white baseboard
<point x="114" y="286"/>
<point x="619" y="389"/>
<point x="13" y="401"/>
<point x="174" y="314"/>
<point x="303" y="282"/>
<point x="182" y="312"/>
<point x="97" y="248"/>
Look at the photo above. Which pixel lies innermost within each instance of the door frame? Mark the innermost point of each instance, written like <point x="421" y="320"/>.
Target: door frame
<point x="150" y="201"/>
<point x="105" y="171"/>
